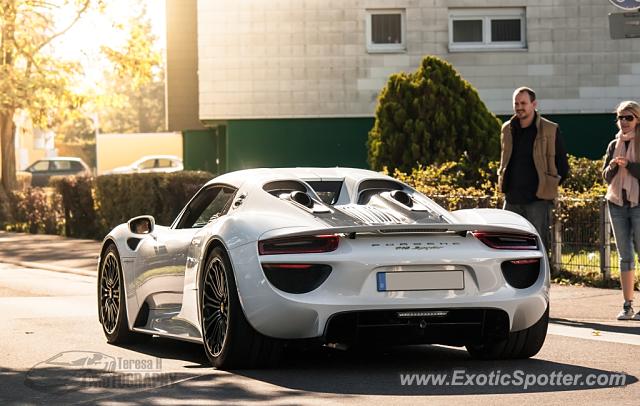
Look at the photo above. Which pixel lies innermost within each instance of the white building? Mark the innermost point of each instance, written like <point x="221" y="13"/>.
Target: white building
<point x="278" y="78"/>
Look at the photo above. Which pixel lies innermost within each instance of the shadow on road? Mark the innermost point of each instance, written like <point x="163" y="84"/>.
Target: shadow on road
<point x="173" y="349"/>
<point x="382" y="373"/>
<point x="76" y="376"/>
<point x="632" y="328"/>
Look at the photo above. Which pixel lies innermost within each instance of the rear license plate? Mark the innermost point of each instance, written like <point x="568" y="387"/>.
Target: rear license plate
<point x="422" y="280"/>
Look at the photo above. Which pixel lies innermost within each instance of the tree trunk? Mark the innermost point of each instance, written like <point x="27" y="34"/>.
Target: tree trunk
<point x="6" y="214"/>
<point x="8" y="150"/>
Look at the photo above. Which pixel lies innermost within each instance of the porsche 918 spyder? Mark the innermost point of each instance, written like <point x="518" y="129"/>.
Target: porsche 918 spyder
<point x="261" y="258"/>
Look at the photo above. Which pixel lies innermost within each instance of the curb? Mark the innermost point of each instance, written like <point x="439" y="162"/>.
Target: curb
<point x="46" y="267"/>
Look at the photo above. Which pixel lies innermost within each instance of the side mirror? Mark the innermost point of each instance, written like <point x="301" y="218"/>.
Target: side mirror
<point x="142" y="224"/>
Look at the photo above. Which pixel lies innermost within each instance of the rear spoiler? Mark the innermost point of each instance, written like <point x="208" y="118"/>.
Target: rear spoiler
<point x="388" y="229"/>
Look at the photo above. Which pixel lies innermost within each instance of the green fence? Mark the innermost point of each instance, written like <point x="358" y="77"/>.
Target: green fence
<point x="241" y="144"/>
<point x="584" y="135"/>
<point x="298" y="142"/>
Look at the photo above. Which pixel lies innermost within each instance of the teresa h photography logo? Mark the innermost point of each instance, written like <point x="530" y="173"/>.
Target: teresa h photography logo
<point x="74" y="370"/>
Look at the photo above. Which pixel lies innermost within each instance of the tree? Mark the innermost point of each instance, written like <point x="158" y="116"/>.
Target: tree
<point x="124" y="109"/>
<point x="134" y="98"/>
<point x="431" y="116"/>
<point x="30" y="78"/>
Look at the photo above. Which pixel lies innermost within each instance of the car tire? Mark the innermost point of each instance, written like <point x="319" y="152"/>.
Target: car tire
<point x="230" y="342"/>
<point x="112" y="304"/>
<point x="520" y="344"/>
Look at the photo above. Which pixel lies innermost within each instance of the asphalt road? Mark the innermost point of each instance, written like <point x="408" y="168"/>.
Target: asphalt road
<point x="52" y="351"/>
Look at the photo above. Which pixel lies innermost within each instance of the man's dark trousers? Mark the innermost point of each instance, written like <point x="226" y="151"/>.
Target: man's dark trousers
<point x="538" y="213"/>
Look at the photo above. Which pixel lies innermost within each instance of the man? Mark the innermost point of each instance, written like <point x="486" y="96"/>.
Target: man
<point x="533" y="162"/>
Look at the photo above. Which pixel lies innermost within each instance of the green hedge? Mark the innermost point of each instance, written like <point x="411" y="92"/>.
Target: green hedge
<point x="579" y="203"/>
<point x="120" y="197"/>
<point x="81" y="220"/>
<point x="88" y="207"/>
<point x="36" y="211"/>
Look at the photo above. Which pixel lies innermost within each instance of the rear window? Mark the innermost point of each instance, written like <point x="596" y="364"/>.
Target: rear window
<point x="165" y="163"/>
<point x="327" y="191"/>
<point x="61" y="165"/>
<point x="76" y="166"/>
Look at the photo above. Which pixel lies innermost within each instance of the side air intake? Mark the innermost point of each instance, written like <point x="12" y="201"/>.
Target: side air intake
<point x="301" y="198"/>
<point x="402" y="197"/>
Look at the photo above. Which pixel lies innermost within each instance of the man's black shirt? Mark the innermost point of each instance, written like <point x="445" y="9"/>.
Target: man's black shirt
<point x="521" y="177"/>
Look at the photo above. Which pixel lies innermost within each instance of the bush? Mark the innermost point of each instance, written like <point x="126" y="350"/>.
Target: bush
<point x="180" y="187"/>
<point x="86" y="207"/>
<point x="80" y="215"/>
<point x="37" y="210"/>
<point x="89" y="207"/>
<point x="162" y="195"/>
<point x="431" y="116"/>
<point x="585" y="175"/>
<point x="449" y="184"/>
<point x="24" y="180"/>
<point x="581" y="199"/>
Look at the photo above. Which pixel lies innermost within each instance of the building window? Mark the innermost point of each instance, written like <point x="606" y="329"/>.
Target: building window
<point x="386" y="30"/>
<point x="487" y="29"/>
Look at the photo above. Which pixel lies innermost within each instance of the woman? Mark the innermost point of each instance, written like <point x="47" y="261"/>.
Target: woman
<point x="621" y="171"/>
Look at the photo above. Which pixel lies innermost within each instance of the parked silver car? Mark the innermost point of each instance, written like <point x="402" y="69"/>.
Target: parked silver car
<point x="151" y="163"/>
<point x="43" y="169"/>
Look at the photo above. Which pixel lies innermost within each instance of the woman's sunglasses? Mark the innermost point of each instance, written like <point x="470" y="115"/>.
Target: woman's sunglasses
<point x="628" y="118"/>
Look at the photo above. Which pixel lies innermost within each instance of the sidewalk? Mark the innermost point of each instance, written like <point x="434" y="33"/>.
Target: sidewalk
<point x="570" y="305"/>
<point x="50" y="252"/>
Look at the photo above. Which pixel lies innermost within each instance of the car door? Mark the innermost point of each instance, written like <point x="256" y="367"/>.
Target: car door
<point x="40" y="172"/>
<point x="162" y="165"/>
<point x="61" y="168"/>
<point x="147" y="166"/>
<point x="77" y="169"/>
<point x="163" y="253"/>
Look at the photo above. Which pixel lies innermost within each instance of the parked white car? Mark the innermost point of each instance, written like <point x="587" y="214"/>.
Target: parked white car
<point x="151" y="163"/>
<point x="337" y="255"/>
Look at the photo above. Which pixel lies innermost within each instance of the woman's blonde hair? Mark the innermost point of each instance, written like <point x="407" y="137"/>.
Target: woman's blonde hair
<point x="633" y="108"/>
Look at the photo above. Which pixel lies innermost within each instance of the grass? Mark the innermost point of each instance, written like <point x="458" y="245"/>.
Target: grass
<point x="583" y="268"/>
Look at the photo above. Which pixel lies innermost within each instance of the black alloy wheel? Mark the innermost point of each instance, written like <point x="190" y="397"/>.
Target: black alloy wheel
<point x="110" y="293"/>
<point x="230" y="342"/>
<point x="215" y="306"/>
<point x="112" y="304"/>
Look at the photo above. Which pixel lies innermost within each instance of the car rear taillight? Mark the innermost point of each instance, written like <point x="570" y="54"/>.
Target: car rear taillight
<point x="507" y="241"/>
<point x="310" y="244"/>
<point x="287" y="266"/>
<point x="525" y="261"/>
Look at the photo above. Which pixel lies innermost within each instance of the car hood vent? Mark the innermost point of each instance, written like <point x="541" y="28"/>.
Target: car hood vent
<point x="374" y="215"/>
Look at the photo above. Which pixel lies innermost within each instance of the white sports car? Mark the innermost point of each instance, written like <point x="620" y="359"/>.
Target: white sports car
<point x="261" y="257"/>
